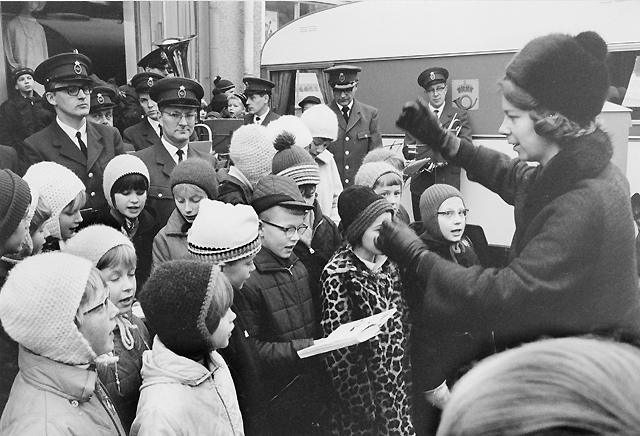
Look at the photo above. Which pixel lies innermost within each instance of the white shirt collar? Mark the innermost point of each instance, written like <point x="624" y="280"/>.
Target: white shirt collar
<point x="439" y="109"/>
<point x="172" y="149"/>
<point x="350" y="106"/>
<point x="71" y="132"/>
<point x="155" y="124"/>
<point x="262" y="117"/>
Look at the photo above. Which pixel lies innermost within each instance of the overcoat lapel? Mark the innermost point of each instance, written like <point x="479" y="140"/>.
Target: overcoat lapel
<point x="67" y="147"/>
<point x="94" y="146"/>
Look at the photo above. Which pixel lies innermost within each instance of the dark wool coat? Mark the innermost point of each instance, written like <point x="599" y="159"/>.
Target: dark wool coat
<point x="369" y="378"/>
<point x="573" y="267"/>
<point x="141" y="135"/>
<point x="271" y="116"/>
<point x="9" y="160"/>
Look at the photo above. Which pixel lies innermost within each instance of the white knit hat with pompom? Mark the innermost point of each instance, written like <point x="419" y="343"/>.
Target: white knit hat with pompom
<point x="293" y="126"/>
<point x="321" y="121"/>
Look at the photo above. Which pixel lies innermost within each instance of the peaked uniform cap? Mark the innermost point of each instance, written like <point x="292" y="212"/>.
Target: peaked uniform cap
<point x="343" y="76"/>
<point x="63" y="67"/>
<point x="154" y="59"/>
<point x="432" y="76"/>
<point x="143" y="82"/>
<point x="102" y="97"/>
<point x="257" y="85"/>
<point x="177" y="91"/>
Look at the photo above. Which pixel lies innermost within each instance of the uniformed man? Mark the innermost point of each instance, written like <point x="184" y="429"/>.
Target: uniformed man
<point x="148" y="131"/>
<point x="308" y="101"/>
<point x="357" y="123"/>
<point x="178" y="100"/>
<point x="156" y="62"/>
<point x="258" y="92"/>
<point x="436" y="169"/>
<point x="101" y="106"/>
<point x="69" y="140"/>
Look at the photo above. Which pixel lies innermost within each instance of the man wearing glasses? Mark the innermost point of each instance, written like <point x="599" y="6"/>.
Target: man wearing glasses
<point x="69" y="140"/>
<point x="435" y="170"/>
<point x="178" y="100"/>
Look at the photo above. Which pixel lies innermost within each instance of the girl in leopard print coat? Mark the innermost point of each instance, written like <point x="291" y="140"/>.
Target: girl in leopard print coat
<point x="369" y="378"/>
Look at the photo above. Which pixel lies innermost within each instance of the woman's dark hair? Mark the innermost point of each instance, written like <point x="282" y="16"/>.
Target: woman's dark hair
<point x="129" y="182"/>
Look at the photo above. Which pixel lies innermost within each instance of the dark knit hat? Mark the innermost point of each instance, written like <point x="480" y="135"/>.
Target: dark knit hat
<point x="196" y="171"/>
<point x="218" y="101"/>
<point x="222" y="84"/>
<point x="564" y="73"/>
<point x="15" y="75"/>
<point x="15" y="197"/>
<point x="177" y="300"/>
<point x="430" y="202"/>
<point x="358" y="207"/>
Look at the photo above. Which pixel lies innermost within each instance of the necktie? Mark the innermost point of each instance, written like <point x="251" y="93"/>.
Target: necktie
<point x="83" y="147"/>
<point x="160" y="129"/>
<point x="436" y="111"/>
<point x="180" y="153"/>
<point x="257" y="120"/>
<point x="345" y="113"/>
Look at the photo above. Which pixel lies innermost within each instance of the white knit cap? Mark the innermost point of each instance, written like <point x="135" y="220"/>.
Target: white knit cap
<point x="292" y="125"/>
<point x="321" y="121"/>
<point x="224" y="232"/>
<point x="38" y="305"/>
<point x="58" y="185"/>
<point x="369" y="173"/>
<point x="119" y="166"/>
<point x="93" y="242"/>
<point x="252" y="151"/>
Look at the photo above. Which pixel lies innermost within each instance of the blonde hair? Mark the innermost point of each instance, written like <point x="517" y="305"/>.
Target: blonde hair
<point x="40" y="216"/>
<point x="188" y="190"/>
<point x="116" y="256"/>
<point x="578" y="386"/>
<point x="74" y="205"/>
<point x="95" y="282"/>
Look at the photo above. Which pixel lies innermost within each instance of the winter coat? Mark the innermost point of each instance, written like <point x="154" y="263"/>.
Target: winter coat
<point x="171" y="242"/>
<point x="330" y="186"/>
<point x="572" y="268"/>
<point x="231" y="190"/>
<point x="122" y="379"/>
<point x="180" y="396"/>
<point x="369" y="378"/>
<point x="56" y="399"/>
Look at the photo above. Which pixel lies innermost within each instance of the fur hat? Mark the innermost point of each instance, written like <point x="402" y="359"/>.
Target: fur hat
<point x="93" y="242"/>
<point x="564" y="73"/>
<point x="430" y="202"/>
<point x="58" y="185"/>
<point x="177" y="299"/>
<point x="198" y="172"/>
<point x="369" y="173"/>
<point x="224" y="232"/>
<point x="359" y="206"/>
<point x="15" y="198"/>
<point x="321" y="121"/>
<point x="119" y="166"/>
<point x="39" y="302"/>
<point x="252" y="151"/>
<point x="291" y="160"/>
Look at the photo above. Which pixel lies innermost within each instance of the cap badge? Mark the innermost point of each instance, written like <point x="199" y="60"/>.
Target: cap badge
<point x="100" y="99"/>
<point x="150" y="82"/>
<point x="341" y="78"/>
<point x="182" y="92"/>
<point x="77" y="68"/>
<point x="432" y="75"/>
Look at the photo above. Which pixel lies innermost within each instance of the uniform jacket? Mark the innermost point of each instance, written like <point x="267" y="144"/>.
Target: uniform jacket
<point x="171" y="241"/>
<point x="53" y="144"/>
<point x="271" y="116"/>
<point x="179" y="396"/>
<point x="369" y="378"/>
<point x="160" y="164"/>
<point x="355" y="139"/>
<point x="56" y="399"/>
<point x="141" y="135"/>
<point x="572" y="268"/>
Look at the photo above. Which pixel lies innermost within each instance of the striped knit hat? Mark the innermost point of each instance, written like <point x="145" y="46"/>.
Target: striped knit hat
<point x="359" y="206"/>
<point x="224" y="232"/>
<point x="118" y="167"/>
<point x="291" y="159"/>
<point x="15" y="198"/>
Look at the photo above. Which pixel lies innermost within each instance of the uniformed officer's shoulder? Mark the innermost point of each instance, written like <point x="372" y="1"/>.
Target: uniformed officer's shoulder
<point x="365" y="107"/>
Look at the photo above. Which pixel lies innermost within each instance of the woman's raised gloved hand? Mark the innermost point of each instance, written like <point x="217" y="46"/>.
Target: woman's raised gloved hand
<point x="400" y="243"/>
<point x="417" y="119"/>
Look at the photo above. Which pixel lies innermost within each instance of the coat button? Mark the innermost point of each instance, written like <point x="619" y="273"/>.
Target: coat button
<point x="90" y="175"/>
<point x="346" y="152"/>
<point x="74" y="403"/>
<point x="346" y="167"/>
<point x="346" y="139"/>
<point x="93" y="194"/>
<point x="159" y="194"/>
<point x="346" y="180"/>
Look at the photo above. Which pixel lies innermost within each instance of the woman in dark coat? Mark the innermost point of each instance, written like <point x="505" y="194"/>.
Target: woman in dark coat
<point x="572" y="268"/>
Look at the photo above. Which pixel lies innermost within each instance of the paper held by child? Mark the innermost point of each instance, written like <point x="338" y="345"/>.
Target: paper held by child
<point x="347" y="334"/>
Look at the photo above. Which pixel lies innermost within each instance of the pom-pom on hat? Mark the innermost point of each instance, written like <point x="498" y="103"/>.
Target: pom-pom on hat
<point x="58" y="185"/>
<point x="430" y="202"/>
<point x="294" y="126"/>
<point x="118" y="167"/>
<point x="369" y="173"/>
<point x="252" y="151"/>
<point x="93" y="242"/>
<point x="176" y="301"/>
<point x="224" y="232"/>
<point x="321" y="122"/>
<point x="222" y="84"/>
<point x="275" y="190"/>
<point x="358" y="207"/>
<point x="291" y="159"/>
<point x="564" y="73"/>
<point x="196" y="171"/>
<point x="15" y="198"/>
<point x="39" y="302"/>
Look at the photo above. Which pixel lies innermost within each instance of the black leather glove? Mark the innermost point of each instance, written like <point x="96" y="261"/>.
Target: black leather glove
<point x="400" y="243"/>
<point x="418" y="120"/>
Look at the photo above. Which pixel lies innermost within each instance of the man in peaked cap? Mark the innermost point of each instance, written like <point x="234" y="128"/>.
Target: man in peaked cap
<point x="436" y="170"/>
<point x="148" y="131"/>
<point x="178" y="100"/>
<point x="357" y="123"/>
<point x="101" y="105"/>
<point x="156" y="62"/>
<point x="258" y="92"/>
<point x="69" y="140"/>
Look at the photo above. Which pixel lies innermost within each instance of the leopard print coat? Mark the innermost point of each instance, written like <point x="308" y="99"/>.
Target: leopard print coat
<point x="369" y="378"/>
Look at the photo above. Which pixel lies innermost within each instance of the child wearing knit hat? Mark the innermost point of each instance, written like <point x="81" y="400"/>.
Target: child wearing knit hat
<point x="187" y="386"/>
<point x="251" y="152"/>
<point x="126" y="184"/>
<point x="236" y="105"/>
<point x="359" y="281"/>
<point x="56" y="306"/>
<point x="385" y="180"/>
<point x="15" y="197"/>
<point x="323" y="125"/>
<point x="192" y="180"/>
<point x="114" y="255"/>
<point x="65" y="194"/>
